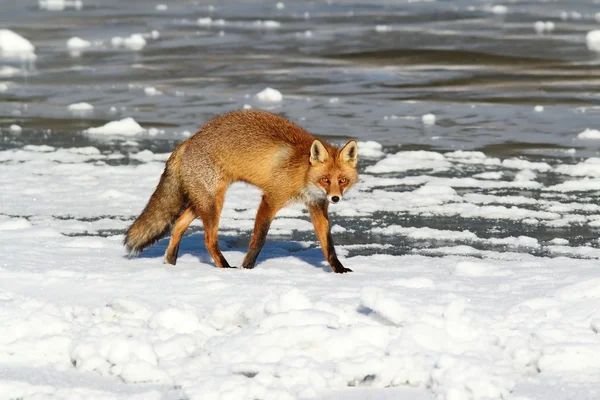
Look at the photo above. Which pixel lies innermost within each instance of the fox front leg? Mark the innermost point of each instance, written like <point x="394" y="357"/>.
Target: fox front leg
<point x="318" y="214"/>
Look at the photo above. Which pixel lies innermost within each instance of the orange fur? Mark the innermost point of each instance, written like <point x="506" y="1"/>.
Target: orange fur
<point x="257" y="147"/>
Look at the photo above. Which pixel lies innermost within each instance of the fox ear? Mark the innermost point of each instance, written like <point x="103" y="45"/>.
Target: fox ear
<point x="318" y="153"/>
<point x="349" y="154"/>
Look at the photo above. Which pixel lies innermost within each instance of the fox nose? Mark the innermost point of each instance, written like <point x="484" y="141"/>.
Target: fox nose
<point x="335" y="199"/>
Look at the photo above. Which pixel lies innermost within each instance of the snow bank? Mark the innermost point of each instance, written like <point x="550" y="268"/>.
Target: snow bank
<point x="127" y="126"/>
<point x="13" y="45"/>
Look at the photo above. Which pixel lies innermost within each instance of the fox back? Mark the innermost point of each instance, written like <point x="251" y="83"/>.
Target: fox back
<point x="270" y="152"/>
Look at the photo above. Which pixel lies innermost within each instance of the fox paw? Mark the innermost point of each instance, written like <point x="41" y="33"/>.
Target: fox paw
<point x="342" y="270"/>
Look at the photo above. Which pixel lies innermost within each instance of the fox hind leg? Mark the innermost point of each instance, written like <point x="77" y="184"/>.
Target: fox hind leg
<point x="208" y="207"/>
<point x="182" y="223"/>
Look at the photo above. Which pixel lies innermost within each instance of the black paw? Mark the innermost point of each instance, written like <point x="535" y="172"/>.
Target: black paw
<point x="342" y="270"/>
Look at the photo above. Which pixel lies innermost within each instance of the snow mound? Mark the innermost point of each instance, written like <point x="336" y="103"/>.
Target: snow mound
<point x="370" y="149"/>
<point x="269" y="95"/>
<point x="80" y="107"/>
<point x="77" y="43"/>
<point x="269" y="24"/>
<point x="428" y="119"/>
<point x="593" y="40"/>
<point x="134" y="42"/>
<point x="151" y="91"/>
<point x="15" y="128"/>
<point x="593" y="134"/>
<point x="543" y="26"/>
<point x="13" y="45"/>
<point x="60" y="5"/>
<point x="499" y="9"/>
<point x="127" y="126"/>
<point x="383" y="28"/>
<point x="208" y="21"/>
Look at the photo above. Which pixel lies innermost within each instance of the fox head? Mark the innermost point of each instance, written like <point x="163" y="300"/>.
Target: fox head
<point x="332" y="174"/>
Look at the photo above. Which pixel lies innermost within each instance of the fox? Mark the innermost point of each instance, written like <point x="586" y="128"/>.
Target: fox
<point x="262" y="149"/>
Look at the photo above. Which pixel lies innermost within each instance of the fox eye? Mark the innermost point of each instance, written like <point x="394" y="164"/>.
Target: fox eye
<point x="343" y="180"/>
<point x="325" y="180"/>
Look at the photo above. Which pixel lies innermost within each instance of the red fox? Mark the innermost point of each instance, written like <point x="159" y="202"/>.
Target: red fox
<point x="257" y="147"/>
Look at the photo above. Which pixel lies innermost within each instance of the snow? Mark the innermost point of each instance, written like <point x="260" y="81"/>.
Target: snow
<point x="60" y="5"/>
<point x="269" y="24"/>
<point x="127" y="126"/>
<point x="544" y="26"/>
<point x="499" y="9"/>
<point x="133" y="42"/>
<point x="428" y="119"/>
<point x="383" y="28"/>
<point x="13" y="45"/>
<point x="588" y="133"/>
<point x="150" y="91"/>
<point x="269" y="95"/>
<point x="80" y="107"/>
<point x="411" y="160"/>
<point x="593" y="40"/>
<point x="15" y="128"/>
<point x="450" y="321"/>
<point x="76" y="43"/>
<point x="204" y="21"/>
<point x="370" y="149"/>
<point x="6" y="71"/>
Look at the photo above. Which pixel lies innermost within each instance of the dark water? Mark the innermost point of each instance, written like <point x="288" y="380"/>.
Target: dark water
<point x="481" y="73"/>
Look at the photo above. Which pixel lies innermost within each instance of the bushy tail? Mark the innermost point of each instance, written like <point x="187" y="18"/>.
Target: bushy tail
<point x="164" y="206"/>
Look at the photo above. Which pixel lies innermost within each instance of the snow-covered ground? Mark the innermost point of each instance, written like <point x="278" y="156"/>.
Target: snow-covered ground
<point x="80" y="320"/>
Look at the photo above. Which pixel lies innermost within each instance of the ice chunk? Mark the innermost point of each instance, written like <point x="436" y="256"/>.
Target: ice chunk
<point x="269" y="95"/>
<point x="80" y="107"/>
<point x="126" y="126"/>
<point x="593" y="40"/>
<point x="428" y="119"/>
<point x="13" y="45"/>
<point x="76" y="43"/>
<point x="589" y="133"/>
